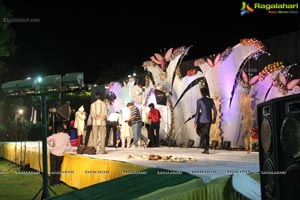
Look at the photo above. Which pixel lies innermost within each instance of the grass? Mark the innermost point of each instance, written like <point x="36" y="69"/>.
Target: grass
<point x="16" y="186"/>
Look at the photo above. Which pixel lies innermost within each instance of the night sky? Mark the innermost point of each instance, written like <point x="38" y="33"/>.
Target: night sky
<point x="113" y="41"/>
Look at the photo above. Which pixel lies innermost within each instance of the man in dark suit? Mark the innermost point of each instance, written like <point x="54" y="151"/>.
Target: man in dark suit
<point x="204" y="118"/>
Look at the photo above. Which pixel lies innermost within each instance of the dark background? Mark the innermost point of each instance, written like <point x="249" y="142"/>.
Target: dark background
<point x="108" y="41"/>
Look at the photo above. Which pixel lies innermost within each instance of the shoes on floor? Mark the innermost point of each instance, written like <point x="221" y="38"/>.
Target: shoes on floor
<point x="145" y="144"/>
<point x="103" y="152"/>
<point x="205" y="152"/>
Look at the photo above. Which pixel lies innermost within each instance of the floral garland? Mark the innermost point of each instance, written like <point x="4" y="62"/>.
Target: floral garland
<point x="170" y="134"/>
<point x="147" y="81"/>
<point x="245" y="84"/>
<point x="248" y="114"/>
<point x="199" y="61"/>
<point x="226" y="53"/>
<point x="253" y="42"/>
<point x="178" y="72"/>
<point x="277" y="83"/>
<point x="216" y="130"/>
<point x="177" y="52"/>
<point x="163" y="75"/>
<point x="267" y="70"/>
<point x="270" y="68"/>
<point x="261" y="75"/>
<point x="149" y="64"/>
<point x="201" y="83"/>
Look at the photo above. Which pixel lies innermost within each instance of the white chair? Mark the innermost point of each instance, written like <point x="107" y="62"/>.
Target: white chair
<point x="246" y="187"/>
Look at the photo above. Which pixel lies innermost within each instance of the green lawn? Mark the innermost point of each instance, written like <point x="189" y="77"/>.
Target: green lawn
<point x="16" y="186"/>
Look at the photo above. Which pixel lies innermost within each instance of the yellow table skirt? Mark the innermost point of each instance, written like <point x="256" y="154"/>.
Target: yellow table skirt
<point x="80" y="171"/>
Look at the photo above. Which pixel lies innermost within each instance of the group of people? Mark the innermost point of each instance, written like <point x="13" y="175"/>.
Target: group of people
<point x="126" y="125"/>
<point x="128" y="122"/>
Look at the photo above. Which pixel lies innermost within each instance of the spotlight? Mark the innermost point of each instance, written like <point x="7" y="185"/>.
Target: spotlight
<point x="47" y="83"/>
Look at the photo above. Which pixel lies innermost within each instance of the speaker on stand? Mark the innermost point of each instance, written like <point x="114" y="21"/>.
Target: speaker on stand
<point x="288" y="127"/>
<point x="279" y="152"/>
<point x="267" y="149"/>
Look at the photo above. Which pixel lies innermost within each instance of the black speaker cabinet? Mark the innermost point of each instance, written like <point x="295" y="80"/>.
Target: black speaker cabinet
<point x="279" y="147"/>
<point x="267" y="149"/>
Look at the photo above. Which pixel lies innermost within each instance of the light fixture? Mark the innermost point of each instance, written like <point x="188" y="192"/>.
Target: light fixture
<point x="52" y="83"/>
<point x="48" y="83"/>
<point x="17" y="87"/>
<point x="72" y="81"/>
<point x="20" y="111"/>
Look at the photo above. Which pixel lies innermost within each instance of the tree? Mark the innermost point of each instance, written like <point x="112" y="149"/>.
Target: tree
<point x="7" y="42"/>
<point x="7" y="36"/>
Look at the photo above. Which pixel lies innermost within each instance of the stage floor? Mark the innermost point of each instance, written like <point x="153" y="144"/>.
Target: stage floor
<point x="190" y="160"/>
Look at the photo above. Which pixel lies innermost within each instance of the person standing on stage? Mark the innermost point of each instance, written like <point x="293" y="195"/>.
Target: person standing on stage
<point x="135" y="119"/>
<point x="204" y="118"/>
<point x="146" y="121"/>
<point x="80" y="117"/>
<point x="59" y="143"/>
<point x="112" y="122"/>
<point x="88" y="130"/>
<point x="98" y="112"/>
<point x="154" y="117"/>
<point x="65" y="126"/>
<point x="73" y="135"/>
<point x="126" y="130"/>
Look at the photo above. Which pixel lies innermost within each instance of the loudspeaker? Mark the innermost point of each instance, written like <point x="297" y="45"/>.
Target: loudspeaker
<point x="279" y="147"/>
<point x="61" y="111"/>
<point x="267" y="149"/>
<point x="226" y="145"/>
<point x="161" y="97"/>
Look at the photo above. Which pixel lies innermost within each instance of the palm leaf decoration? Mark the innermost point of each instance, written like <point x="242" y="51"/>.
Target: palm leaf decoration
<point x="178" y="64"/>
<point x="192" y="84"/>
<point x="254" y="55"/>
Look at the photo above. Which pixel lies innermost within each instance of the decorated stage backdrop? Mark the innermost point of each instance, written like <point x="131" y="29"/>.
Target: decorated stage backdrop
<point x="235" y="85"/>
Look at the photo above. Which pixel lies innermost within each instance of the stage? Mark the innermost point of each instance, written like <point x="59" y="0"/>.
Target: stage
<point x="83" y="171"/>
<point x="190" y="160"/>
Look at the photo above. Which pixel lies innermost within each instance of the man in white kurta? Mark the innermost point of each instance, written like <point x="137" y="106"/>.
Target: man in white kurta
<point x="98" y="111"/>
<point x="126" y="131"/>
<point x="80" y="117"/>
